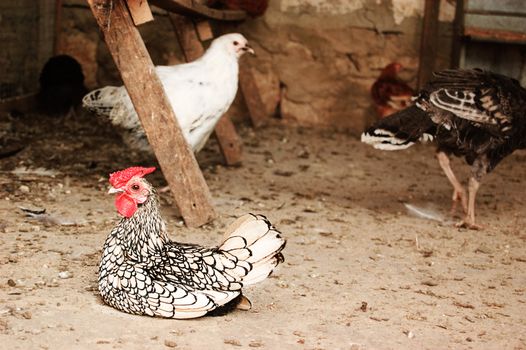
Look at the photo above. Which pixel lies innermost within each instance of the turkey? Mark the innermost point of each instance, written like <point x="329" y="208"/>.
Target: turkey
<point x="390" y="94"/>
<point x="142" y="272"/>
<point x="470" y="113"/>
<point x="200" y="92"/>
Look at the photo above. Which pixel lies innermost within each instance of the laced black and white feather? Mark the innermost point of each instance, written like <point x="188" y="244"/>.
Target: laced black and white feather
<point x="143" y="272"/>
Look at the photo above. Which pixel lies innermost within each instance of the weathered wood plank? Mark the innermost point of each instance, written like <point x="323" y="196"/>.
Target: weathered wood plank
<point x="195" y="9"/>
<point x="252" y="96"/>
<point x="225" y="131"/>
<point x="204" y="30"/>
<point x="140" y="11"/>
<point x="458" y="32"/>
<point x="229" y="141"/>
<point x="175" y="157"/>
<point x="24" y="103"/>
<point x="428" y="41"/>
<point x="187" y="37"/>
<point x="495" y="35"/>
<point x="46" y="31"/>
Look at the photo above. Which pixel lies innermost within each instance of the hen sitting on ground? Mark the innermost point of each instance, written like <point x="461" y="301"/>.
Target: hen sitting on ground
<point x="143" y="272"/>
<point x="473" y="113"/>
<point x="200" y="92"/>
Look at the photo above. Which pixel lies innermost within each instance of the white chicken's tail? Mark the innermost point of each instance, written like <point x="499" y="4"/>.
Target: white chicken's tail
<point x="103" y="100"/>
<point x="254" y="240"/>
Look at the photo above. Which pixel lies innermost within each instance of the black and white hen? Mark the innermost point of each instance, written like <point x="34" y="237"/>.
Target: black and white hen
<point x="474" y="114"/>
<point x="143" y="272"/>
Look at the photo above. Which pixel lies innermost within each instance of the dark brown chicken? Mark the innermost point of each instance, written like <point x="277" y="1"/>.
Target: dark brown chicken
<point x="143" y="272"/>
<point x="389" y="93"/>
<point x="474" y="114"/>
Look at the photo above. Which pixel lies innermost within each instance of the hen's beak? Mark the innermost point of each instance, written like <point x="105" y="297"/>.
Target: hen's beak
<point x="249" y="49"/>
<point x="113" y="190"/>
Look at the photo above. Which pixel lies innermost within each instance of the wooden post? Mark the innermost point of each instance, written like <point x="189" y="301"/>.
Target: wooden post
<point x="255" y="105"/>
<point x="175" y="157"/>
<point x="140" y="11"/>
<point x="225" y="131"/>
<point x="458" y="32"/>
<point x="428" y="41"/>
<point x="58" y="28"/>
<point x="46" y="31"/>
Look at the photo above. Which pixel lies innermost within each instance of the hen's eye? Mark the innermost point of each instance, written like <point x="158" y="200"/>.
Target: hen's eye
<point x="135" y="187"/>
<point x="236" y="43"/>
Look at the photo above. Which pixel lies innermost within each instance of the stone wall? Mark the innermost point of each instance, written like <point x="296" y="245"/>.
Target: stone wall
<point x="326" y="54"/>
<point x="316" y="59"/>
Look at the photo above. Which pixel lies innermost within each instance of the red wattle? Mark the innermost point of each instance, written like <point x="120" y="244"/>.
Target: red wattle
<point x="126" y="206"/>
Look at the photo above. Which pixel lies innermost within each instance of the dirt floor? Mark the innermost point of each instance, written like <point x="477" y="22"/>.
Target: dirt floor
<point x="361" y="271"/>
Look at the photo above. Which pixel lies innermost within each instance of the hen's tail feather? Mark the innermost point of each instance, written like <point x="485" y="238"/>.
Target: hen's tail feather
<point x="400" y="130"/>
<point x="102" y="101"/>
<point x="254" y="240"/>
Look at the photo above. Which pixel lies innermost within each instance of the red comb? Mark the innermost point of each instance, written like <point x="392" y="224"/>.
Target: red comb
<point x="121" y="178"/>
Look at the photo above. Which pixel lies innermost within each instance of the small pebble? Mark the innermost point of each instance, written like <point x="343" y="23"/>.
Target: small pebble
<point x="11" y="283"/>
<point x="64" y="275"/>
<point x="170" y="343"/>
<point x="24" y="189"/>
<point x="410" y="335"/>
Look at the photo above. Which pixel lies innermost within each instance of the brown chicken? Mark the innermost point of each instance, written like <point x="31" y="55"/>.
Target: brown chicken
<point x="390" y="94"/>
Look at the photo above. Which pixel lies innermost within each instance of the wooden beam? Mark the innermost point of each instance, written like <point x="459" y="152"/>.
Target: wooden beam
<point x="229" y="141"/>
<point x="46" y="31"/>
<point x="495" y="35"/>
<point x="175" y="157"/>
<point x="225" y="131"/>
<point x="140" y="11"/>
<point x="204" y="30"/>
<point x="187" y="37"/>
<point x="256" y="108"/>
<point x="458" y="31"/>
<point x="58" y="28"/>
<point x="428" y="41"/>
<point x="195" y="9"/>
<point x="24" y="103"/>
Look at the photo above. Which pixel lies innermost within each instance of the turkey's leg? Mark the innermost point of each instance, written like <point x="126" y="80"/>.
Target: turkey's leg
<point x="459" y="193"/>
<point x="469" y="219"/>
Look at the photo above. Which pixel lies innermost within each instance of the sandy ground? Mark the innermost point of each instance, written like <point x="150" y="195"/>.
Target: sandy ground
<point x="361" y="272"/>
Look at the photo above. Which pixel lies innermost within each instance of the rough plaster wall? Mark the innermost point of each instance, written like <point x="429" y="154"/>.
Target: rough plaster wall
<point x="327" y="53"/>
<point x="316" y="59"/>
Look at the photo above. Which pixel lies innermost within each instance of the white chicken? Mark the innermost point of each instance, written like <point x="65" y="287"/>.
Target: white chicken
<point x="200" y="92"/>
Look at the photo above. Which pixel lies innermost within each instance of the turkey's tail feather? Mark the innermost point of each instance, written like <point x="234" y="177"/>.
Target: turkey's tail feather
<point x="253" y="240"/>
<point x="400" y="130"/>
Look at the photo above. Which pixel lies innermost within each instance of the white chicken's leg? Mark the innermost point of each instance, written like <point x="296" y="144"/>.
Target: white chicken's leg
<point x="459" y="193"/>
<point x="469" y="219"/>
